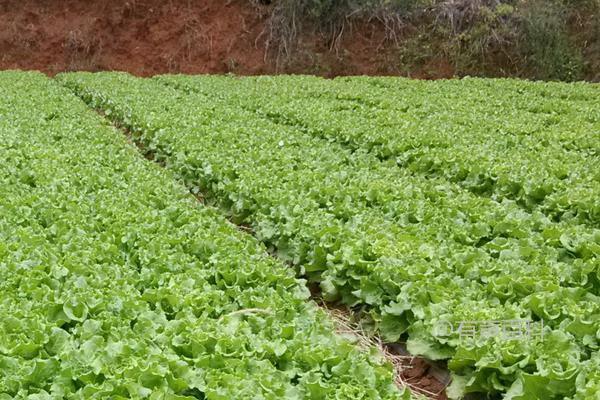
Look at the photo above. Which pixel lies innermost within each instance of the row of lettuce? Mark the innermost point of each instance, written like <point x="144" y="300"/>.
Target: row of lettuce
<point x="535" y="143"/>
<point x="412" y="253"/>
<point x="116" y="283"/>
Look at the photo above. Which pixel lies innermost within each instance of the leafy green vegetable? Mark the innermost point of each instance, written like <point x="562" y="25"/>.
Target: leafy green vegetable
<point x="409" y="247"/>
<point x="544" y="156"/>
<point x="117" y="284"/>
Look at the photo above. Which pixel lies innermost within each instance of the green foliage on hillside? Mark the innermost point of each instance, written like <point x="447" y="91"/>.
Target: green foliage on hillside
<point x="541" y="39"/>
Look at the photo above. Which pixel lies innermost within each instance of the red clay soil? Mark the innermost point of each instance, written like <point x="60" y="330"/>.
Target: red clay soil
<point x="142" y="37"/>
<point x="419" y="375"/>
<point x="147" y="37"/>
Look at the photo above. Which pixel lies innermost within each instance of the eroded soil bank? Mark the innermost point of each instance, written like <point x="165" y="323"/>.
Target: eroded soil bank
<point x="147" y="37"/>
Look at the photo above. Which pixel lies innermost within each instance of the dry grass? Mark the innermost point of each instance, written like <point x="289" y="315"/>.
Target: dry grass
<point x="82" y="49"/>
<point x="347" y="326"/>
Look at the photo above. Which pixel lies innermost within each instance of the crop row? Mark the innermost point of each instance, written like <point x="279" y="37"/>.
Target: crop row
<point x="117" y="284"/>
<point x="411" y="251"/>
<point x="499" y="139"/>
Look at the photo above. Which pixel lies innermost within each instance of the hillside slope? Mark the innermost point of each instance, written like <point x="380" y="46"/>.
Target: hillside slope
<point x="146" y="37"/>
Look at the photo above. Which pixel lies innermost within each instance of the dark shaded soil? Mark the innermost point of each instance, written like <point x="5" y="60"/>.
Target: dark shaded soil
<point x="425" y="379"/>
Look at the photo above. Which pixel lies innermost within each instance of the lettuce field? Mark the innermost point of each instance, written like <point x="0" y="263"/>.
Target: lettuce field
<point x="159" y="236"/>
